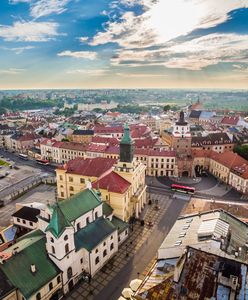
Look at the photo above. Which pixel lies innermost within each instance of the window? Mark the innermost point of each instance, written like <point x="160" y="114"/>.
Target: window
<point x="104" y="244"/>
<point x="81" y="260"/>
<point x="18" y="220"/>
<point x="96" y="215"/>
<point x="111" y="237"/>
<point x="58" y="279"/>
<point x="104" y="253"/>
<point x="82" y="180"/>
<point x="70" y="179"/>
<point x="31" y="223"/>
<point x="87" y="220"/>
<point x="96" y="251"/>
<point x="66" y="248"/>
<point x="51" y="240"/>
<point x="38" y="296"/>
<point x="78" y="226"/>
<point x="23" y="221"/>
<point x="66" y="238"/>
<point x="53" y="249"/>
<point x="71" y="188"/>
<point x="97" y="260"/>
<point x="126" y="232"/>
<point x="61" y="186"/>
<point x="112" y="246"/>
<point x="50" y="286"/>
<point x="69" y="273"/>
<point x="62" y="194"/>
<point x="60" y="177"/>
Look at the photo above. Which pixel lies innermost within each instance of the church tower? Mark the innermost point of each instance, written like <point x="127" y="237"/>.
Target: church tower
<point x="181" y="137"/>
<point x="126" y="146"/>
<point x="134" y="172"/>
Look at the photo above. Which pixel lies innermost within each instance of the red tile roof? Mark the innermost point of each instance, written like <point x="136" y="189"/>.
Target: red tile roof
<point x="94" y="167"/>
<point x="105" y="140"/>
<point x="112" y="182"/>
<point x="233" y="161"/>
<point x="229" y="120"/>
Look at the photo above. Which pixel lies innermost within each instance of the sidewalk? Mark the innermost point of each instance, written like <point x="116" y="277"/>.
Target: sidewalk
<point x="138" y="237"/>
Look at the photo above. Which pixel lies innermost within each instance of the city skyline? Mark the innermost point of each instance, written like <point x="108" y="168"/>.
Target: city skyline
<point x="123" y="44"/>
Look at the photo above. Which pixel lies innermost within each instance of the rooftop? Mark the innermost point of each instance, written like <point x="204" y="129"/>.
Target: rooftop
<point x="30" y="249"/>
<point x="27" y="213"/>
<point x="112" y="182"/>
<point x="93" y="167"/>
<point x="92" y="235"/>
<point x="79" y="204"/>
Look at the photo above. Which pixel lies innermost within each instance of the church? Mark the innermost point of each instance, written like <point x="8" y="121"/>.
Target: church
<point x="74" y="239"/>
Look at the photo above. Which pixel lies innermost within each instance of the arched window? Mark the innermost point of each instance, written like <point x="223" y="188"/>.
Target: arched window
<point x="97" y="260"/>
<point x="51" y="240"/>
<point x="38" y="296"/>
<point x="112" y="246"/>
<point x="66" y="238"/>
<point x="53" y="250"/>
<point x="96" y="215"/>
<point x="78" y="226"/>
<point x="50" y="286"/>
<point x="87" y="220"/>
<point x="58" y="279"/>
<point x="71" y="188"/>
<point x="104" y="253"/>
<point x="66" y="248"/>
<point x="69" y="273"/>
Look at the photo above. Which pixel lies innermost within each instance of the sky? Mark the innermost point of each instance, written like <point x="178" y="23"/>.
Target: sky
<point x="123" y="44"/>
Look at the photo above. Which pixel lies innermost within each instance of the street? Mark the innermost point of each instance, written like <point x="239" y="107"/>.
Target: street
<point x="30" y="162"/>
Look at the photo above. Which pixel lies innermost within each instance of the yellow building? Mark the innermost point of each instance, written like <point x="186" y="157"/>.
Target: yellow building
<point x="82" y="136"/>
<point x="122" y="182"/>
<point x="116" y="191"/>
<point x="79" y="173"/>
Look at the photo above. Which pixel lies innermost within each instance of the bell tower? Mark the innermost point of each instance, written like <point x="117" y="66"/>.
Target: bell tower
<point x="126" y="146"/>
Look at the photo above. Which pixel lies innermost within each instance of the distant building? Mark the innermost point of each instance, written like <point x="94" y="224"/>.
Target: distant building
<point x="82" y="136"/>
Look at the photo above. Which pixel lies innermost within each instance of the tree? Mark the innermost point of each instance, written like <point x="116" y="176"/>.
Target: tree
<point x="166" y="107"/>
<point x="242" y="150"/>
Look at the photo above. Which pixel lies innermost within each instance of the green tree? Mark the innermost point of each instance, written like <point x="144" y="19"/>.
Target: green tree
<point x="242" y="150"/>
<point x="166" y="107"/>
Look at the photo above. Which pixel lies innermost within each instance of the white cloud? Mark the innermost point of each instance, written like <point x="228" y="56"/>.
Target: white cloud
<point x="83" y="39"/>
<point x="19" y="1"/>
<point x="95" y="72"/>
<point x="46" y="7"/>
<point x="163" y="21"/>
<point x="29" y="31"/>
<point x="11" y="71"/>
<point x="192" y="55"/>
<point x="79" y="54"/>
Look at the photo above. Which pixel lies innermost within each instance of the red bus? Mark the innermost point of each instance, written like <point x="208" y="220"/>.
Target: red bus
<point x="42" y="162"/>
<point x="183" y="189"/>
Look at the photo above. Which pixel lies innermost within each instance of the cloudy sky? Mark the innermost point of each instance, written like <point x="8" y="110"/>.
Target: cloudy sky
<point x="123" y="44"/>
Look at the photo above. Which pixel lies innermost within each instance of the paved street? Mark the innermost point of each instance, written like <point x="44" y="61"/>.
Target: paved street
<point x="15" y="158"/>
<point x="141" y="246"/>
<point x="42" y="193"/>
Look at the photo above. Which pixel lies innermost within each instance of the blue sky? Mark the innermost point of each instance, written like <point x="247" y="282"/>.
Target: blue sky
<point x="123" y="44"/>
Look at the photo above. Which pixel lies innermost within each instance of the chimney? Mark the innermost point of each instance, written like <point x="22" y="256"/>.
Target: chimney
<point x="33" y="268"/>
